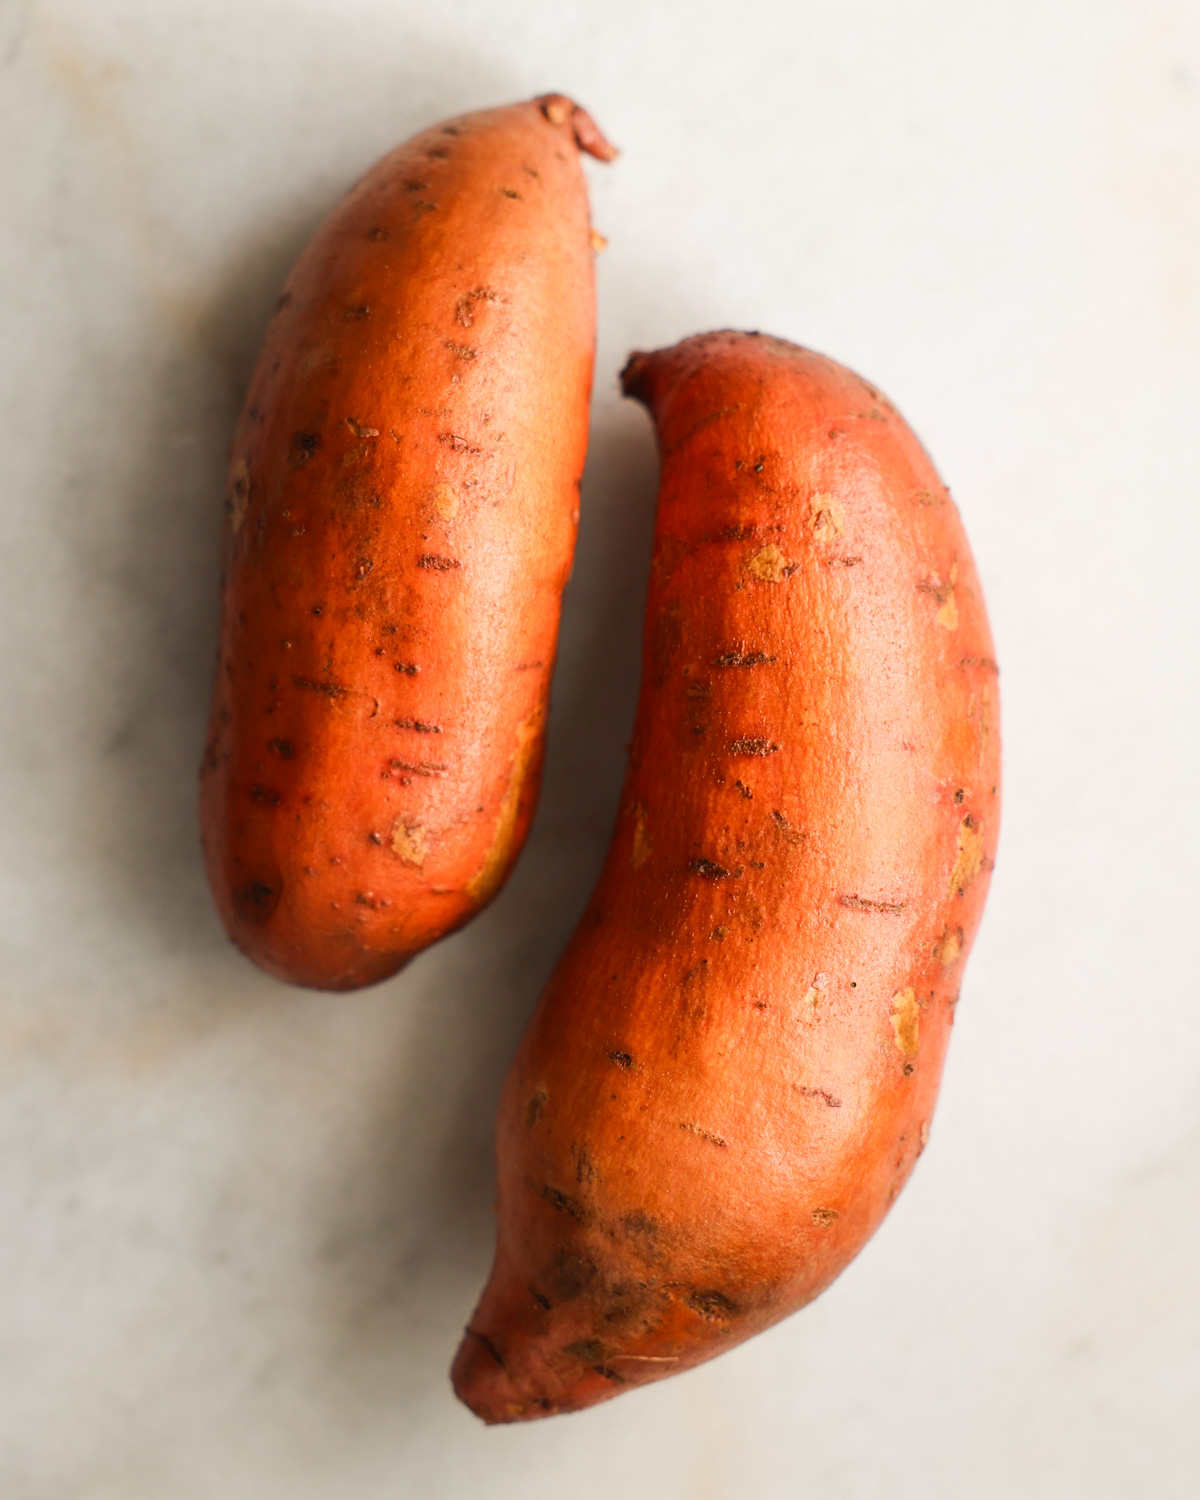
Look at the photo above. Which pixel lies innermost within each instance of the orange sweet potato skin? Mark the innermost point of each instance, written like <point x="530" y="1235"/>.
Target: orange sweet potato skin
<point x="402" y="506"/>
<point x="733" y="1069"/>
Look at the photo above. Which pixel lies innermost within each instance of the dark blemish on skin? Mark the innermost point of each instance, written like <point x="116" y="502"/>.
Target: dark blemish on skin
<point x="792" y="835"/>
<point x="824" y="1217"/>
<point x="753" y="745"/>
<point x="463" y="308"/>
<point x="464" y="351"/>
<point x="535" y="1106"/>
<point x="622" y="1059"/>
<point x="543" y="1302"/>
<point x="861" y="903"/>
<point x="844" y="562"/>
<point x="819" y="1094"/>
<point x="571" y="1275"/>
<point x="438" y="563"/>
<point x="362" y="567"/>
<point x="592" y="1351"/>
<point x="737" y="657"/>
<point x="744" y="789"/>
<point x="488" y="1345"/>
<point x="757" y="864"/>
<point x="705" y="1135"/>
<point x="638" y="1222"/>
<point x="908" y="1070"/>
<point x="304" y="446"/>
<point x="378" y="233"/>
<point x="958" y="797"/>
<point x="353" y="314"/>
<point x="457" y="443"/>
<point x="985" y="662"/>
<point x="708" y="869"/>
<point x="424" y="768"/>
<point x="718" y="934"/>
<point x="256" y="900"/>
<point x="410" y="669"/>
<point x="438" y="153"/>
<point x="412" y="185"/>
<point x="512" y="193"/>
<point x="419" y="725"/>
<point x="285" y="748"/>
<point x="712" y="1304"/>
<point x="564" y="1204"/>
<point x="374" y="838"/>
<point x="326" y="689"/>
<point x="758" y="467"/>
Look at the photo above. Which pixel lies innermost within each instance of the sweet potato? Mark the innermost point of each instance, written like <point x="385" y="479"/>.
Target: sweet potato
<point x="734" y="1066"/>
<point x="402" y="505"/>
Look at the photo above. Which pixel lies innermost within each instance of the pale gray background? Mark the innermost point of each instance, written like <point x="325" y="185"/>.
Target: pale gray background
<point x="240" y="1225"/>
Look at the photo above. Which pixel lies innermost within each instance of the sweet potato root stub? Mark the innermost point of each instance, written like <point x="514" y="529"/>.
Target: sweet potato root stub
<point x="402" y="505"/>
<point x="734" y="1067"/>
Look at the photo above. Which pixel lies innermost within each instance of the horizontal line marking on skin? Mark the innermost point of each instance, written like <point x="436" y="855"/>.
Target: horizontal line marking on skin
<point x="425" y="768"/>
<point x="861" y="903"/>
<point x="329" y="689"/>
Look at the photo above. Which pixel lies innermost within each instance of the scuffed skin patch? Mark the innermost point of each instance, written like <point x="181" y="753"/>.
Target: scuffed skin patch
<point x="487" y="878"/>
<point x="978" y="709"/>
<point x="969" y="859"/>
<point x="770" y="565"/>
<point x="906" y="1021"/>
<point x="824" y="1217"/>
<point x="943" y="592"/>
<point x="947" y="615"/>
<point x="947" y="951"/>
<point x="445" y="502"/>
<point x="642" y="848"/>
<point x="828" y="521"/>
<point x="410" y="841"/>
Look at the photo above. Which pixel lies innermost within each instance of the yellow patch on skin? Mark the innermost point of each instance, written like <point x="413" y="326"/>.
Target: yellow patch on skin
<point x="947" y="951"/>
<point x="642" y="848"/>
<point x="906" y="1021"/>
<point x="947" y="615"/>
<point x="828" y="520"/>
<point x="969" y="858"/>
<point x="980" y="713"/>
<point x="445" y="502"/>
<point x="769" y="565"/>
<point x="486" y="880"/>
<point x="816" y="990"/>
<point x="239" y="494"/>
<point x="410" y="840"/>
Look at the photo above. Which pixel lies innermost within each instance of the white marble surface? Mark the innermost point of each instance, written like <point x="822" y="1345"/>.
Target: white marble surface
<point x="240" y="1226"/>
